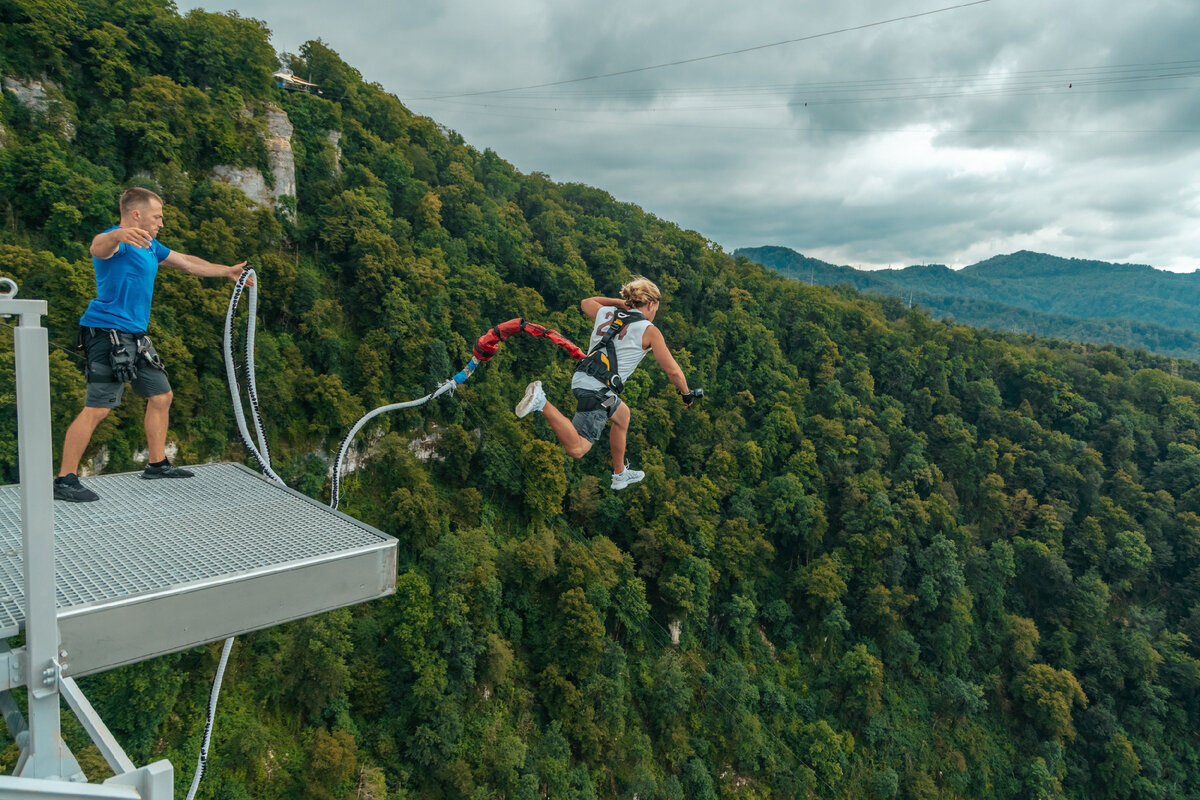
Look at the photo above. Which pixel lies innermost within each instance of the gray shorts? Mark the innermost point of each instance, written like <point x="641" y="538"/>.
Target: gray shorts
<point x="102" y="390"/>
<point x="590" y="423"/>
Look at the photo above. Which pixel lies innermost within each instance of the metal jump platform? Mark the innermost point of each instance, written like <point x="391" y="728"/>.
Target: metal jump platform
<point x="153" y="567"/>
<point x="158" y="566"/>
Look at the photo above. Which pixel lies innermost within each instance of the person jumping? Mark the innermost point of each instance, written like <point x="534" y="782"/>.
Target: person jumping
<point x="624" y="332"/>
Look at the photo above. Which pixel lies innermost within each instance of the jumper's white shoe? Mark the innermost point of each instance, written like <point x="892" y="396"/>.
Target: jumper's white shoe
<point x="534" y="399"/>
<point x="626" y="478"/>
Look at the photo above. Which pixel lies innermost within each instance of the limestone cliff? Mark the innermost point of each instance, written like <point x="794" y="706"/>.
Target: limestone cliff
<point x="283" y="165"/>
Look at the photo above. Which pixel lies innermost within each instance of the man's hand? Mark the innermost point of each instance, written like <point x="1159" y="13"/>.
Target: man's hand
<point x="138" y="237"/>
<point x="236" y="271"/>
<point x="105" y="245"/>
<point x="691" y="397"/>
<point x="194" y="265"/>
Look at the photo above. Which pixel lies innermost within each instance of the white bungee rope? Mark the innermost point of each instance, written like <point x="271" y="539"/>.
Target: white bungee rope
<point x="261" y="455"/>
<point x="202" y="762"/>
<point x="260" y="452"/>
<point x="335" y="488"/>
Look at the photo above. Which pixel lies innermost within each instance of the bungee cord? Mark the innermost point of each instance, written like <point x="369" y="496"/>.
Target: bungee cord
<point x="202" y="762"/>
<point x="335" y="488"/>
<point x="261" y="454"/>
<point x="484" y="349"/>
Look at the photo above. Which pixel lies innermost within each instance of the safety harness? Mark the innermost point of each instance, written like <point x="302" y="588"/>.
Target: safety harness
<point x="124" y="363"/>
<point x="601" y="362"/>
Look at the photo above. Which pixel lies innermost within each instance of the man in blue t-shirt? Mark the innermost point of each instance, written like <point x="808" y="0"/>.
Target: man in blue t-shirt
<point x="113" y="334"/>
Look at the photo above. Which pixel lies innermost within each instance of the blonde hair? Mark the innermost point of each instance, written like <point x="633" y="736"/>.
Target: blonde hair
<point x="136" y="197"/>
<point x="639" y="292"/>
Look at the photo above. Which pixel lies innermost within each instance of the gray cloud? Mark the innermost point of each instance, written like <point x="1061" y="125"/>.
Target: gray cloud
<point x="945" y="138"/>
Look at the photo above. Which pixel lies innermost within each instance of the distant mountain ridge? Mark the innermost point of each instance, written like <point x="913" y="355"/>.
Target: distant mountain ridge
<point x="1131" y="305"/>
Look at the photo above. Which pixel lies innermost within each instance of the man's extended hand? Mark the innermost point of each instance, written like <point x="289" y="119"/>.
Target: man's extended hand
<point x="236" y="271"/>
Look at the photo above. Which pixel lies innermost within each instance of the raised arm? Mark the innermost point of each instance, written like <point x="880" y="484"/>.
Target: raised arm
<point x="592" y="305"/>
<point x="104" y="245"/>
<point x="194" y="265"/>
<point x="663" y="356"/>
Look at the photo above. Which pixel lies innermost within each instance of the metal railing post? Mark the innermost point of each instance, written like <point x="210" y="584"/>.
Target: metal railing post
<point x="46" y="755"/>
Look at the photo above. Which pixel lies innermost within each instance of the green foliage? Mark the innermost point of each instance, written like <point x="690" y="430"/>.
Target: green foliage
<point x="884" y="557"/>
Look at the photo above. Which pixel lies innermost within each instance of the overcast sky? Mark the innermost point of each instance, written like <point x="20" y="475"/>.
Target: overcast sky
<point x="863" y="132"/>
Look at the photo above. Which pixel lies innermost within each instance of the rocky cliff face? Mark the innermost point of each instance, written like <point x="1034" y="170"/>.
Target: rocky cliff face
<point x="29" y="93"/>
<point x="279" y="146"/>
<point x="335" y="139"/>
<point x="283" y="165"/>
<point x="42" y="97"/>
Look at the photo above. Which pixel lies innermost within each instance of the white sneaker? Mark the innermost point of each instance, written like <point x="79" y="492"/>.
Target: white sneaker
<point x="626" y="478"/>
<point x="534" y="399"/>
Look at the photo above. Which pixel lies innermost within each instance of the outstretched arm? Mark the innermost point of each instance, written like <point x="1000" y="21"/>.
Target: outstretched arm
<point x="665" y="360"/>
<point x="592" y="305"/>
<point x="194" y="265"/>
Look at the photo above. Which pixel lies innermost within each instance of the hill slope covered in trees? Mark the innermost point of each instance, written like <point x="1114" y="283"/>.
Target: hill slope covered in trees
<point x="885" y="557"/>
<point x="1084" y="301"/>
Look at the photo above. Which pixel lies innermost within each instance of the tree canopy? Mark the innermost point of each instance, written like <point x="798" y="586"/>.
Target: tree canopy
<point x="885" y="557"/>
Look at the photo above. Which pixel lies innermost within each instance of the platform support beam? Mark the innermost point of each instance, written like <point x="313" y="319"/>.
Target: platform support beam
<point x="105" y="742"/>
<point x="46" y="755"/>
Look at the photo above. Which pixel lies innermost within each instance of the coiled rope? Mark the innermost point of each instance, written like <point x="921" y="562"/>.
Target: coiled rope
<point x="260" y="452"/>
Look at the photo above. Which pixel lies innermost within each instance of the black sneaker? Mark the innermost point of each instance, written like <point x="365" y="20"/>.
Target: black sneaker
<point x="68" y="487"/>
<point x="166" y="470"/>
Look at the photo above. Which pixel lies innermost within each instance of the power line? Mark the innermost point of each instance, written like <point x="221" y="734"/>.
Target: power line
<point x="625" y="123"/>
<point x="709" y="57"/>
<point x="747" y="105"/>
<point x="1093" y="80"/>
<point x="1045" y="77"/>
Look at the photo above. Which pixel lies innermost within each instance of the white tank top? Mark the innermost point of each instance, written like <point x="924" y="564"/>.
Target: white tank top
<point x="628" y="343"/>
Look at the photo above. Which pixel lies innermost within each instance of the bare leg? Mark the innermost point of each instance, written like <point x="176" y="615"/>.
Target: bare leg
<point x="575" y="445"/>
<point x="157" y="412"/>
<point x="616" y="437"/>
<point x="78" y="435"/>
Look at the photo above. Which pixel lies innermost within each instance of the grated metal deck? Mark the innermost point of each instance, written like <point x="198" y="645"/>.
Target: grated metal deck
<point x="159" y="566"/>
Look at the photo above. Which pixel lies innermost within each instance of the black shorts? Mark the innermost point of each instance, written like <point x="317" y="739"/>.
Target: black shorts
<point x="103" y="391"/>
<point x="590" y="419"/>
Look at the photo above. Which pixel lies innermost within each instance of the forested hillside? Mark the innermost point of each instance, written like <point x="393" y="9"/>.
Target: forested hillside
<point x="1083" y="301"/>
<point x="885" y="557"/>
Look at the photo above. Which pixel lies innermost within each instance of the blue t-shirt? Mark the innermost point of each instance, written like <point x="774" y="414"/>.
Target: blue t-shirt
<point x="125" y="287"/>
